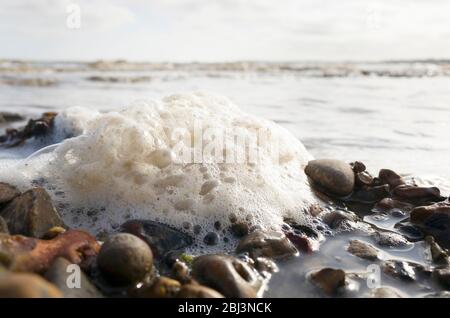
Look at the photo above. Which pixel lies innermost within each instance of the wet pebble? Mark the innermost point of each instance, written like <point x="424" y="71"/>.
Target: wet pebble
<point x="160" y="237"/>
<point x="228" y="275"/>
<point x="125" y="258"/>
<point x="417" y="194"/>
<point x="7" y="193"/>
<point x="335" y="219"/>
<point x="334" y="176"/>
<point x="31" y="214"/>
<point x="363" y="250"/>
<point x="330" y="280"/>
<point x="26" y="285"/>
<point x="399" y="269"/>
<point x="438" y="255"/>
<point x="390" y="239"/>
<point x="442" y="275"/>
<point x="371" y="194"/>
<point x="62" y="276"/>
<point x="387" y="176"/>
<point x="269" y="244"/>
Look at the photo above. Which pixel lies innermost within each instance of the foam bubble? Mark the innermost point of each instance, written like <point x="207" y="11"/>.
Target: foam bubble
<point x="126" y="164"/>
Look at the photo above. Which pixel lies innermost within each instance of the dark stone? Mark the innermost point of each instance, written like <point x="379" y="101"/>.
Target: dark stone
<point x="228" y="275"/>
<point x="198" y="291"/>
<point x="434" y="220"/>
<point x="442" y="275"/>
<point x="31" y="214"/>
<point x="417" y="194"/>
<point x="239" y="229"/>
<point x="27" y="285"/>
<point x="211" y="238"/>
<point x="60" y="274"/>
<point x="266" y="243"/>
<point x="160" y="237"/>
<point x="364" y="179"/>
<point x="7" y="193"/>
<point x="438" y="255"/>
<point x="330" y="280"/>
<point x="363" y="250"/>
<point x="334" y="219"/>
<point x="34" y="128"/>
<point x="334" y="176"/>
<point x="125" y="259"/>
<point x="358" y="167"/>
<point x="371" y="194"/>
<point x="410" y="232"/>
<point x="399" y="269"/>
<point x="390" y="177"/>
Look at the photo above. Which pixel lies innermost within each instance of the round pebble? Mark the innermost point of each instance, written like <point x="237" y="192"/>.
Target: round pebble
<point x="125" y="258"/>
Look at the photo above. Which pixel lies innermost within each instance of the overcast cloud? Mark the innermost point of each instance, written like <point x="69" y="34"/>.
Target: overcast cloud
<point x="224" y="30"/>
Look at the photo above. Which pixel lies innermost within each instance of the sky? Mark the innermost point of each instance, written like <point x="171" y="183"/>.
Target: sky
<point x="225" y="30"/>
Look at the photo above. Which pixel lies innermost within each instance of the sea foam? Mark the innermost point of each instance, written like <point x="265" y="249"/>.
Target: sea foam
<point x="148" y="161"/>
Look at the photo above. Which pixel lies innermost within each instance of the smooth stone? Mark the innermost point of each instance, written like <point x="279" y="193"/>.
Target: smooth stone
<point x="385" y="292"/>
<point x="160" y="237"/>
<point x="26" y="285"/>
<point x="228" y="275"/>
<point x="7" y="193"/>
<point x="125" y="258"/>
<point x="434" y="220"/>
<point x="371" y="194"/>
<point x="161" y="287"/>
<point x="438" y="255"/>
<point x="390" y="239"/>
<point x="3" y="226"/>
<point x="269" y="244"/>
<point x="417" y="194"/>
<point x="330" y="280"/>
<point x="363" y="250"/>
<point x="211" y="238"/>
<point x="334" y="176"/>
<point x="399" y="269"/>
<point x="387" y="176"/>
<point x="60" y="274"/>
<point x="335" y="219"/>
<point x="198" y="291"/>
<point x="442" y="275"/>
<point x="31" y="214"/>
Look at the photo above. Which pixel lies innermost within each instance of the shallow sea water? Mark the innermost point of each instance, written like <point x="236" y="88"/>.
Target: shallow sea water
<point x="396" y="122"/>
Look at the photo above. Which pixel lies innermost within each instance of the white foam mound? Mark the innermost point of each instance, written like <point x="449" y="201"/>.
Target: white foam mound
<point x="164" y="160"/>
